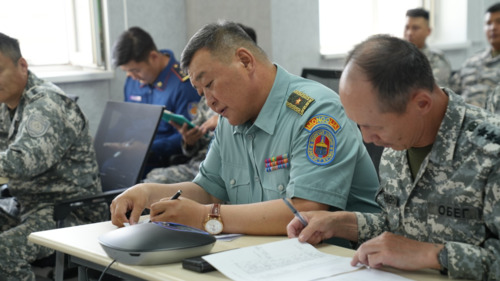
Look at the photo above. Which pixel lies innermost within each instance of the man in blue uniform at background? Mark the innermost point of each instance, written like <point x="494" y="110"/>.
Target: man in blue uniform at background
<point x="154" y="77"/>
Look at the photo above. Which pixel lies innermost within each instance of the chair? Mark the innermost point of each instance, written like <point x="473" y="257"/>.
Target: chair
<point x="122" y="142"/>
<point x="327" y="77"/>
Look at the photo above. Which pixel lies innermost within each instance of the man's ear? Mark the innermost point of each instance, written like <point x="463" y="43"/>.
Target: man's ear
<point x="23" y="64"/>
<point x="422" y="101"/>
<point x="245" y="57"/>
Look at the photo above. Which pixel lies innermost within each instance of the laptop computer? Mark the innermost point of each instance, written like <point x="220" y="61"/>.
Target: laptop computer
<point x="122" y="142"/>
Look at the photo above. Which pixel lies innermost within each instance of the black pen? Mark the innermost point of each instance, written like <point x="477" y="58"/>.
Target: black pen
<point x="295" y="212"/>
<point x="176" y="195"/>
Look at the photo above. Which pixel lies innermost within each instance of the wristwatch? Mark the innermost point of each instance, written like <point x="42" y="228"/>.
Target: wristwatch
<point x="213" y="223"/>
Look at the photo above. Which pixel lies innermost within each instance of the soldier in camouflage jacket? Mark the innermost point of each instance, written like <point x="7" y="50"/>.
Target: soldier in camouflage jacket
<point x="46" y="153"/>
<point x="440" y="171"/>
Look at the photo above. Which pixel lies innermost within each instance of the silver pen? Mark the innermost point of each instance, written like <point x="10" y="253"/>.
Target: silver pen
<point x="295" y="212"/>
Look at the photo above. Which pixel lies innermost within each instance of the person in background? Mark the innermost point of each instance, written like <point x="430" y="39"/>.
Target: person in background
<point x="46" y="152"/>
<point x="154" y="77"/>
<point x="417" y="29"/>
<point x="280" y="136"/>
<point x="440" y="171"/>
<point x="195" y="141"/>
<point x="481" y="72"/>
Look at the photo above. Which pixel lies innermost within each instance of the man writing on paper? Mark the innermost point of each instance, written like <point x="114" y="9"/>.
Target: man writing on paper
<point x="279" y="136"/>
<point x="440" y="171"/>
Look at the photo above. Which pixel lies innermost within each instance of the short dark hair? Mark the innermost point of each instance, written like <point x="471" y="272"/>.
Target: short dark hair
<point x="220" y="39"/>
<point x="135" y="44"/>
<point x="418" y="13"/>
<point x="9" y="47"/>
<point x="493" y="8"/>
<point x="250" y="31"/>
<point x="394" y="67"/>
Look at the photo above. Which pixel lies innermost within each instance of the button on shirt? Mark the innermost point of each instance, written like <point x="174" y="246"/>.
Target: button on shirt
<point x="235" y="167"/>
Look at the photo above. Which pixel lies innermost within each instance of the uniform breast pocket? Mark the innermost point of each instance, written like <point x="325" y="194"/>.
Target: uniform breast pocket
<point x="275" y="183"/>
<point x="237" y="182"/>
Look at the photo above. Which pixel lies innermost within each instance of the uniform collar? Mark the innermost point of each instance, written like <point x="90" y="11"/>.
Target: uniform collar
<point x="268" y="115"/>
<point x="450" y="129"/>
<point x="161" y="81"/>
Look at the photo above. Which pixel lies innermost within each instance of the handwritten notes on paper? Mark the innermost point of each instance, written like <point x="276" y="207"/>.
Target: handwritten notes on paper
<point x="283" y="260"/>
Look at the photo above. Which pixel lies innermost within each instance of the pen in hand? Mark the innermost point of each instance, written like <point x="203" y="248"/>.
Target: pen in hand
<point x="295" y="212"/>
<point x="176" y="195"/>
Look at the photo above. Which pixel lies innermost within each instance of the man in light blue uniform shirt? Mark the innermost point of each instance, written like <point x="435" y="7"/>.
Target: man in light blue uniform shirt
<point x="154" y="77"/>
<point x="343" y="177"/>
<point x="279" y="136"/>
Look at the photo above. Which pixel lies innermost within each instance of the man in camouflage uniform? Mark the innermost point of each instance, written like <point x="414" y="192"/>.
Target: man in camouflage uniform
<point x="481" y="72"/>
<point x="417" y="29"/>
<point x="194" y="145"/>
<point x="46" y="152"/>
<point x="440" y="171"/>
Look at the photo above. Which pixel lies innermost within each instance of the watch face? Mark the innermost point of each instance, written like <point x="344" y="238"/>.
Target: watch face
<point x="213" y="226"/>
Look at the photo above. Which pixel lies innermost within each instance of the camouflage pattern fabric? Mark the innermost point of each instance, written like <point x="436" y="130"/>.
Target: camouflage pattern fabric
<point x="477" y="76"/>
<point x="197" y="153"/>
<point x="455" y="197"/>
<point x="47" y="154"/>
<point x="441" y="68"/>
<point x="493" y="100"/>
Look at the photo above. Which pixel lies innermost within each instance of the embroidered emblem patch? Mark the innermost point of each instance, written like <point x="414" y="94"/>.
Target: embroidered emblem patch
<point x="299" y="102"/>
<point x="193" y="109"/>
<point x="321" y="144"/>
<point x="37" y="125"/>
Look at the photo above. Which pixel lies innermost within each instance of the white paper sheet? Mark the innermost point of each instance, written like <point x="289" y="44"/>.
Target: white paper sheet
<point x="283" y="260"/>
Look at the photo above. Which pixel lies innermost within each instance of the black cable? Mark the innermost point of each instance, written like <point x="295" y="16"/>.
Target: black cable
<point x="106" y="269"/>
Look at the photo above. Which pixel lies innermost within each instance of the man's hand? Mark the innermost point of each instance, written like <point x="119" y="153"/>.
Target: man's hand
<point x="182" y="210"/>
<point x="397" y="251"/>
<point x="323" y="225"/>
<point x="134" y="199"/>
<point x="189" y="136"/>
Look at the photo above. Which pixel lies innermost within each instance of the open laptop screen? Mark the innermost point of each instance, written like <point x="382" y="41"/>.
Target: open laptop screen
<point x="122" y="142"/>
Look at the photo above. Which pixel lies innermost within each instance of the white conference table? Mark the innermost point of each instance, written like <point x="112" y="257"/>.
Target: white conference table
<point x="83" y="248"/>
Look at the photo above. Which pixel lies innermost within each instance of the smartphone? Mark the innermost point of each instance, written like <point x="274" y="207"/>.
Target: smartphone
<point x="177" y="118"/>
<point x="197" y="264"/>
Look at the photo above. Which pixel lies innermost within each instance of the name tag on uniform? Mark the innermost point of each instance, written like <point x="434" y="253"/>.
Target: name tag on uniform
<point x="136" y="98"/>
<point x="454" y="212"/>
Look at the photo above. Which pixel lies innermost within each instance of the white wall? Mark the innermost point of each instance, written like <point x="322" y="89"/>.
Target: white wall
<point x="286" y="29"/>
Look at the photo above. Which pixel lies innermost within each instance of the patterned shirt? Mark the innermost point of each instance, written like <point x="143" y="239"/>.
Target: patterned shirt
<point x="46" y="150"/>
<point x="441" y="68"/>
<point x="455" y="197"/>
<point x="478" y="75"/>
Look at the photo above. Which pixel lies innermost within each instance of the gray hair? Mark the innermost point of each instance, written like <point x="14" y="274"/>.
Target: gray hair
<point x="221" y="39"/>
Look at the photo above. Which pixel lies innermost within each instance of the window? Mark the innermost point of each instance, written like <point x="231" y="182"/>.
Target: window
<point x="346" y="23"/>
<point x="55" y="32"/>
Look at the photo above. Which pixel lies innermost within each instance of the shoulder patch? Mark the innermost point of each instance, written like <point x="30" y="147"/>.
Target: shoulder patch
<point x="178" y="71"/>
<point x="322" y="143"/>
<point x="37" y="125"/>
<point x="299" y="102"/>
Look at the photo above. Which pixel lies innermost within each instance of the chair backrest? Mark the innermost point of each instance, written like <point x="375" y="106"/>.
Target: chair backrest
<point x="122" y="142"/>
<point x="327" y="77"/>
